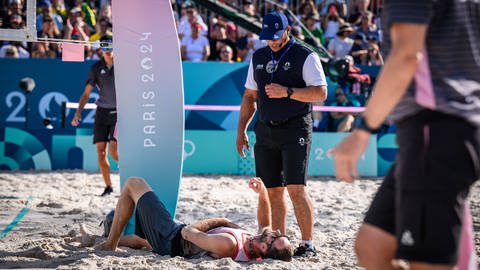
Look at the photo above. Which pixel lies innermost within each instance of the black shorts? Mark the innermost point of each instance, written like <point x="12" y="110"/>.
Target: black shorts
<point x="104" y="126"/>
<point x="154" y="223"/>
<point x="282" y="151"/>
<point x="421" y="199"/>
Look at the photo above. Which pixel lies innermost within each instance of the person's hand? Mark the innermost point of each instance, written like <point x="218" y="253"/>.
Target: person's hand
<point x="256" y="185"/>
<point x="76" y="119"/>
<point x="242" y="141"/>
<point x="275" y="90"/>
<point x="348" y="152"/>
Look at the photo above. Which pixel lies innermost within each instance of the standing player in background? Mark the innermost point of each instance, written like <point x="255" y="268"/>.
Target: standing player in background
<point x="430" y="84"/>
<point x="283" y="79"/>
<point x="101" y="75"/>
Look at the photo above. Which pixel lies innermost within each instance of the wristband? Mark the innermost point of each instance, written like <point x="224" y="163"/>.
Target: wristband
<point x="360" y="123"/>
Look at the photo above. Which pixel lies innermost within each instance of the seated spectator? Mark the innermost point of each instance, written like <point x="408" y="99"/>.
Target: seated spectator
<point x="247" y="45"/>
<point x="195" y="47"/>
<point x="250" y="9"/>
<point x="357" y="8"/>
<point x="49" y="28"/>
<point x="374" y="57"/>
<point x="22" y="52"/>
<point x="87" y="13"/>
<point x="226" y="54"/>
<point x="359" y="49"/>
<point x="310" y="21"/>
<point x="103" y="28"/>
<point x="43" y="50"/>
<point x="218" y="39"/>
<point x="58" y="7"/>
<point x="76" y="28"/>
<point x="231" y="30"/>
<point x="342" y="121"/>
<point x="192" y="16"/>
<point x="340" y="5"/>
<point x="367" y="27"/>
<point x="106" y="11"/>
<point x="15" y="8"/>
<point x="46" y="9"/>
<point x="306" y="8"/>
<point x="16" y="22"/>
<point x="331" y="24"/>
<point x="10" y="52"/>
<point x="341" y="45"/>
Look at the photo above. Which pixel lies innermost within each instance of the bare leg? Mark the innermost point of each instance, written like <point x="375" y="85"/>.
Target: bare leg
<point x="103" y="162"/>
<point x="302" y="205"/>
<point x="113" y="149"/>
<point x="375" y="248"/>
<point x="133" y="190"/>
<point x="279" y="208"/>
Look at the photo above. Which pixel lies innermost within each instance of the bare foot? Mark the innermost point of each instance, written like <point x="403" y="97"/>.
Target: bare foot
<point x="87" y="239"/>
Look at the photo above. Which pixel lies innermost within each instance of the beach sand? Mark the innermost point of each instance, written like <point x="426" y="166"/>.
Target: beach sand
<point x="48" y="236"/>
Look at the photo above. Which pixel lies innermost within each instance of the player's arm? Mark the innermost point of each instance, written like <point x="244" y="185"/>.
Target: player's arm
<point x="219" y="245"/>
<point x="312" y="74"/>
<point x="247" y="110"/>
<point x="264" y="209"/>
<point x="81" y="104"/>
<point x="408" y="41"/>
<point x="211" y="223"/>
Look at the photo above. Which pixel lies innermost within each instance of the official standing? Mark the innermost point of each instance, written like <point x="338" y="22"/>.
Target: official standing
<point x="101" y="75"/>
<point x="430" y="86"/>
<point x="283" y="79"/>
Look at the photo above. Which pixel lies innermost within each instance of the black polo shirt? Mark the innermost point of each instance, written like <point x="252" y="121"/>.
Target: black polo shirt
<point x="103" y="78"/>
<point x="293" y="69"/>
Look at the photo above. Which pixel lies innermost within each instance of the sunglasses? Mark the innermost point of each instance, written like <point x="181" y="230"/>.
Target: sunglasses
<point x="225" y="52"/>
<point x="275" y="237"/>
<point x="107" y="49"/>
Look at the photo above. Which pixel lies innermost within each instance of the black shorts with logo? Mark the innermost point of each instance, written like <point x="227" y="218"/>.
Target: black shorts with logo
<point x="104" y="126"/>
<point x="421" y="199"/>
<point x="282" y="150"/>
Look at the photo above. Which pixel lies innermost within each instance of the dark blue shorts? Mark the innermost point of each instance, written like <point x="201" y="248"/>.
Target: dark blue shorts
<point x="421" y="199"/>
<point x="154" y="223"/>
<point x="282" y="151"/>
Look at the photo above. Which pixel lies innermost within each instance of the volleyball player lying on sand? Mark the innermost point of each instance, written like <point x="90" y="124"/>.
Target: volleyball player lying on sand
<point x="219" y="237"/>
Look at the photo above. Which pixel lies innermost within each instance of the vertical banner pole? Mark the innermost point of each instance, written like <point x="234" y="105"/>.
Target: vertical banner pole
<point x="150" y="102"/>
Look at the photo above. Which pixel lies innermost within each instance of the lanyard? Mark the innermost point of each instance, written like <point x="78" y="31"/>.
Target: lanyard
<point x="275" y="63"/>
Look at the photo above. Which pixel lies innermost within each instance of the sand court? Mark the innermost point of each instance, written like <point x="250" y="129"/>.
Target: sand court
<point x="49" y="236"/>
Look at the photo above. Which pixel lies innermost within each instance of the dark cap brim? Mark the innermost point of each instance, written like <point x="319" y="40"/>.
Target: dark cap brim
<point x="271" y="35"/>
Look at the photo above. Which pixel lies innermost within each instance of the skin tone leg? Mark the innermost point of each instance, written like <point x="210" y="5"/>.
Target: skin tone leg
<point x="376" y="256"/>
<point x="113" y="149"/>
<point x="103" y="162"/>
<point x="132" y="191"/>
<point x="303" y="208"/>
<point x="279" y="208"/>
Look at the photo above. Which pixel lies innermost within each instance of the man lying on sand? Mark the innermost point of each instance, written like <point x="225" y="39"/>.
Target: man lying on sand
<point x="219" y="237"/>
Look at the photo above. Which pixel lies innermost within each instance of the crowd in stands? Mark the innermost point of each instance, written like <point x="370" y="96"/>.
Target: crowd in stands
<point x="344" y="29"/>
<point x="56" y="19"/>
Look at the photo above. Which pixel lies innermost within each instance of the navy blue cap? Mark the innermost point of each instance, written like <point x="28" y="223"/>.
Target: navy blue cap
<point x="273" y="26"/>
